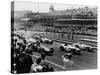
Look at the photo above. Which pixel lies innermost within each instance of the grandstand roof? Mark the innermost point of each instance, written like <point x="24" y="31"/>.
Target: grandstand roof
<point x="76" y="19"/>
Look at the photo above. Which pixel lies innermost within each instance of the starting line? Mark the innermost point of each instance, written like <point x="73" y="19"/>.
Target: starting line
<point x="55" y="64"/>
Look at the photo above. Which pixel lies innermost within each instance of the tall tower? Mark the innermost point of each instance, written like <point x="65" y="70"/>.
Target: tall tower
<point x="51" y="8"/>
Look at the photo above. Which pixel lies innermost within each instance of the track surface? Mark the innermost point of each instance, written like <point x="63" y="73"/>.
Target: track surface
<point x="88" y="60"/>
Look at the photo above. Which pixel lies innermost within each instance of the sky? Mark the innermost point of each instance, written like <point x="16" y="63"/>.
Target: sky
<point x="42" y="7"/>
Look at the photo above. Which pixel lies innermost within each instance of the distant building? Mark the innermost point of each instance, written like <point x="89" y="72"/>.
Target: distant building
<point x="69" y="18"/>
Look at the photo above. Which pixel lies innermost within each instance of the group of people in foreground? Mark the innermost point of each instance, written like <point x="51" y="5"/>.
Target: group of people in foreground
<point x="24" y="60"/>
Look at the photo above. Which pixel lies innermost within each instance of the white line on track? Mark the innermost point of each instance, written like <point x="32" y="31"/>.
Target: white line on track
<point x="55" y="64"/>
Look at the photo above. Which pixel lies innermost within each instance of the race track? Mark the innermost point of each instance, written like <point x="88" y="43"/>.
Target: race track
<point x="88" y="60"/>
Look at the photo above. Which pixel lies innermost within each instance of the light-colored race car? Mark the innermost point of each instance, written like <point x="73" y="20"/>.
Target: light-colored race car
<point x="70" y="48"/>
<point x="85" y="47"/>
<point x="43" y="40"/>
<point x="31" y="40"/>
<point x="46" y="40"/>
<point x="45" y="50"/>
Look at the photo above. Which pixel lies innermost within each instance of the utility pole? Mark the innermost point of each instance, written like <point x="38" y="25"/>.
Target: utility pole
<point x="72" y="29"/>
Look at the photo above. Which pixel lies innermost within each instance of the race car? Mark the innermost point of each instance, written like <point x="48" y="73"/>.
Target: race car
<point x="43" y="40"/>
<point x="47" y="51"/>
<point x="84" y="47"/>
<point x="70" y="48"/>
<point x="46" y="40"/>
<point x="37" y="37"/>
<point x="31" y="40"/>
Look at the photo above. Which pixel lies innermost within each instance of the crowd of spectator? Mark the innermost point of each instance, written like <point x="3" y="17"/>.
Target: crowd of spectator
<point x="84" y="11"/>
<point x="73" y="29"/>
<point x="21" y="56"/>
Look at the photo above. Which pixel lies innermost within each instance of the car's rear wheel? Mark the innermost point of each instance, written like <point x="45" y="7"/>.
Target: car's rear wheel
<point x="88" y="49"/>
<point x="47" y="42"/>
<point x="51" y="42"/>
<point x="61" y="48"/>
<point x="51" y="51"/>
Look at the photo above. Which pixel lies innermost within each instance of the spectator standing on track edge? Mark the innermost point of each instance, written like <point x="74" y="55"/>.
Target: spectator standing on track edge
<point x="68" y="63"/>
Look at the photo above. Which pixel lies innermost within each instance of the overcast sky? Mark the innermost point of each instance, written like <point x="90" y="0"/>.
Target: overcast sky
<point x="42" y="7"/>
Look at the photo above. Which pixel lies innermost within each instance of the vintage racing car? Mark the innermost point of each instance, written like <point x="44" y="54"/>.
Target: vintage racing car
<point x="47" y="51"/>
<point x="46" y="40"/>
<point x="43" y="40"/>
<point x="85" y="47"/>
<point x="70" y="48"/>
